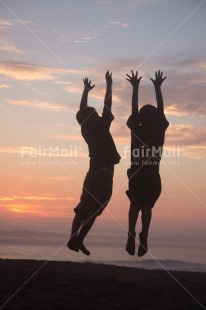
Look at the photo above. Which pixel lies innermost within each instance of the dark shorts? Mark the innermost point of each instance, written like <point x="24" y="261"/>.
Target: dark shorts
<point x="144" y="188"/>
<point x="96" y="192"/>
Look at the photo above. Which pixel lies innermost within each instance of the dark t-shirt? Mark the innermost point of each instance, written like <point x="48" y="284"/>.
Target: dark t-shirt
<point x="102" y="150"/>
<point x="147" y="142"/>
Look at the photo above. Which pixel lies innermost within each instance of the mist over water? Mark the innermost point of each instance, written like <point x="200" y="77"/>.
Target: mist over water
<point x="168" y="251"/>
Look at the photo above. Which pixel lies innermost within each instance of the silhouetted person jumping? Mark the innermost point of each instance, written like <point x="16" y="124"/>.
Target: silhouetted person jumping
<point x="98" y="183"/>
<point x="148" y="128"/>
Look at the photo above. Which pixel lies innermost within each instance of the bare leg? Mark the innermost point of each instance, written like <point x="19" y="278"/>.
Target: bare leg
<point x="85" y="228"/>
<point x="72" y="243"/>
<point x="133" y="215"/>
<point x="146" y="219"/>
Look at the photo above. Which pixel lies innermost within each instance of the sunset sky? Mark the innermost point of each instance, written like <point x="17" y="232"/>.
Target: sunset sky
<point x="47" y="48"/>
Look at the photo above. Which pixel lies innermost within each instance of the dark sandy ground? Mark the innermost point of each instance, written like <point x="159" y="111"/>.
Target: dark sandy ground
<point x="68" y="285"/>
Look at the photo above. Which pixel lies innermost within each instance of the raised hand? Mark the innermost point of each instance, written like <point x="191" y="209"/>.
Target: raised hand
<point x="108" y="77"/>
<point x="158" y="79"/>
<point x="108" y="94"/>
<point x="87" y="84"/>
<point x="134" y="80"/>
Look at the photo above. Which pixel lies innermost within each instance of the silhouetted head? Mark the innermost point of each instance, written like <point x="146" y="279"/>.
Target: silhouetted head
<point x="148" y="115"/>
<point x="90" y="115"/>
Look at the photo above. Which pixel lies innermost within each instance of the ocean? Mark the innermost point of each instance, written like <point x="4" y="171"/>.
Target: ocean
<point x="168" y="252"/>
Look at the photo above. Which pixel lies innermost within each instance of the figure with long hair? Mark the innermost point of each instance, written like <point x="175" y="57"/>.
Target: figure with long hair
<point x="148" y="126"/>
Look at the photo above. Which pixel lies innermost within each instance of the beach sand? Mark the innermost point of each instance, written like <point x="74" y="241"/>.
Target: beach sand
<point x="68" y="285"/>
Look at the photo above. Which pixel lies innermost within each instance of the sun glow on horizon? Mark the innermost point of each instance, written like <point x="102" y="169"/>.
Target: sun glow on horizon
<point x="44" y="59"/>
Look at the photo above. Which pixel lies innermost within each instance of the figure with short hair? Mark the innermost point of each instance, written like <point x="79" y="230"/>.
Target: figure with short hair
<point x="98" y="183"/>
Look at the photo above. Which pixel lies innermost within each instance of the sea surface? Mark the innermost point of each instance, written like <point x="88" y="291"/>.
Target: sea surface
<point x="168" y="252"/>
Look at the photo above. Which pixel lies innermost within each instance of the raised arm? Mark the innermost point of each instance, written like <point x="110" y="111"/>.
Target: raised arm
<point x="87" y="88"/>
<point x="157" y="85"/>
<point x="134" y="80"/>
<point x="108" y="95"/>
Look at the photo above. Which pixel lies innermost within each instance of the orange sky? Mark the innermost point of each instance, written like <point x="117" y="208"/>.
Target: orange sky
<point x="44" y="57"/>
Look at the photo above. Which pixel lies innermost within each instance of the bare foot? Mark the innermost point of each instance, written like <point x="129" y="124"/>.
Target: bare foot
<point x="82" y="248"/>
<point x="130" y="247"/>
<point x="143" y="247"/>
<point x="72" y="244"/>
